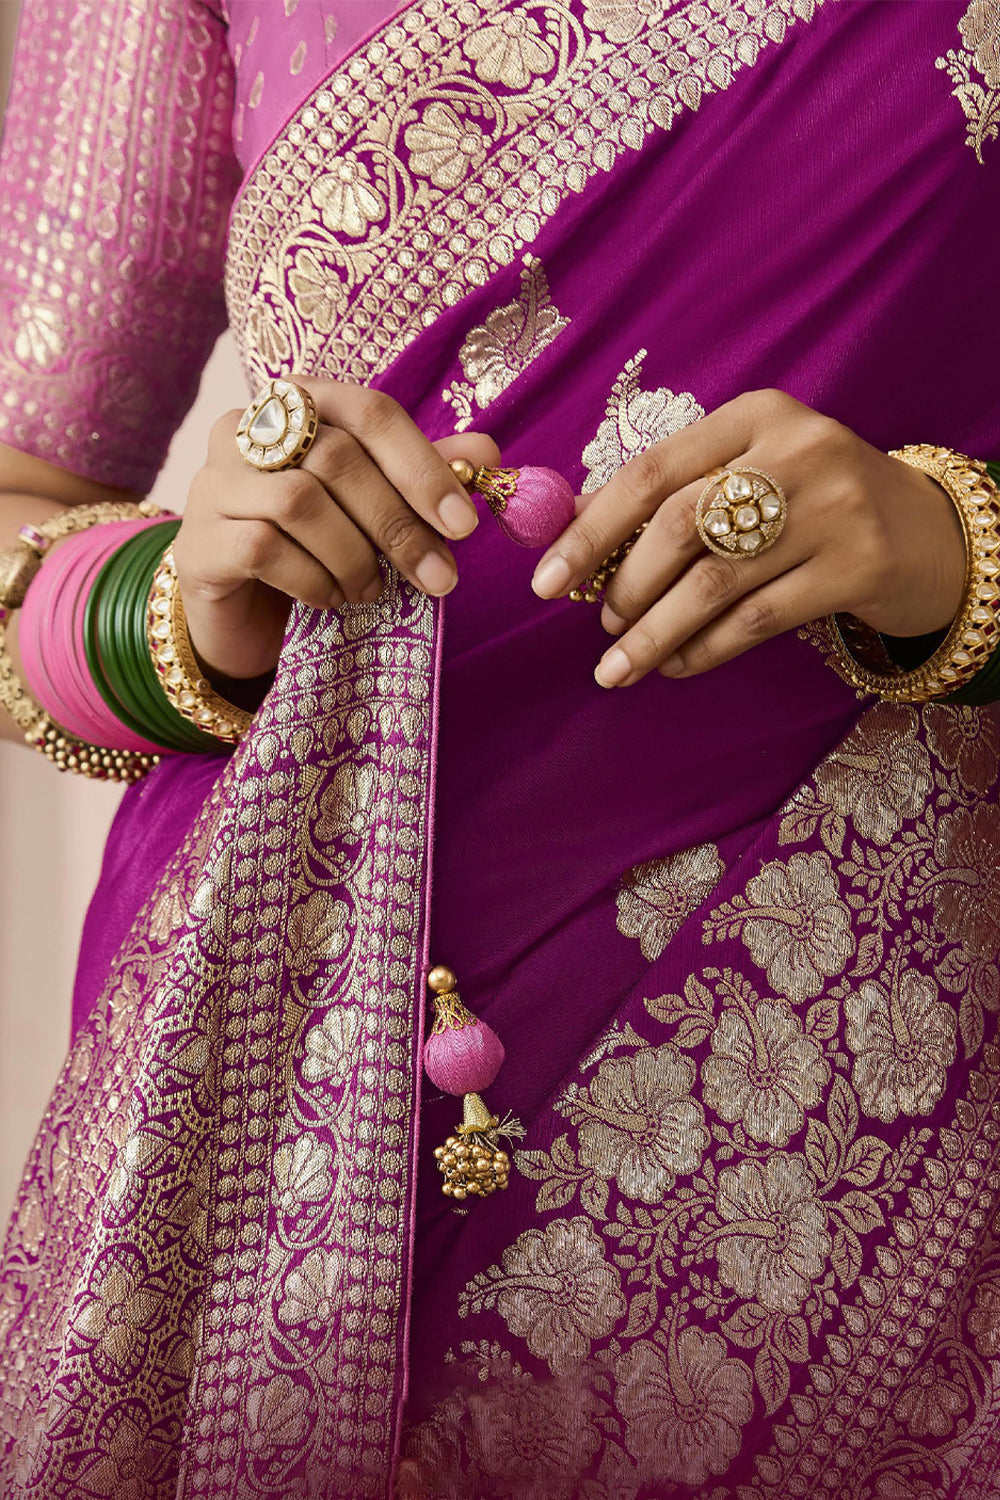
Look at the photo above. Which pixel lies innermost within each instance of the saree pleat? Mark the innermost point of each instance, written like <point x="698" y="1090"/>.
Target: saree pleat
<point x="739" y="933"/>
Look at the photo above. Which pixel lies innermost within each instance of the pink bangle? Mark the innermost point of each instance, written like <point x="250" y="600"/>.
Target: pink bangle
<point x="51" y="638"/>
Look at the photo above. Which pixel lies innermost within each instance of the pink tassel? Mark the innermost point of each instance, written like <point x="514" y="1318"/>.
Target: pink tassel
<point x="463" y="1055"/>
<point x="464" y="1061"/>
<point x="532" y="505"/>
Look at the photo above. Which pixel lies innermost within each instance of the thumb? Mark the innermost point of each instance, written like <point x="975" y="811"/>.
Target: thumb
<point x="475" y="446"/>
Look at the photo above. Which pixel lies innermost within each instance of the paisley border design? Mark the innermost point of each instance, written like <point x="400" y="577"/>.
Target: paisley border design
<point x="437" y="151"/>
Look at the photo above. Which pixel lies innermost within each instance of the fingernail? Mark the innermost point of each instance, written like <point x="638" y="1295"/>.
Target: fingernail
<point x="372" y="592"/>
<point x="551" y="575"/>
<point x="671" y="665"/>
<point x="434" y="575"/>
<point x="458" y="515"/>
<point x="613" y="668"/>
<point x="335" y="600"/>
<point x="613" y="624"/>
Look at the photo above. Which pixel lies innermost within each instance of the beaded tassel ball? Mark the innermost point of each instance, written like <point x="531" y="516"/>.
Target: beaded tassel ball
<point x="462" y="1056"/>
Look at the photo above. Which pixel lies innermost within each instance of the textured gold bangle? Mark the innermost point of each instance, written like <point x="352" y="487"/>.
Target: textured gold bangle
<point x="860" y="656"/>
<point x="18" y="566"/>
<point x="186" y="689"/>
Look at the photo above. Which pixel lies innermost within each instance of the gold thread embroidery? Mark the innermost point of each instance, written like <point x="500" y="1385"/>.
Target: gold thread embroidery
<point x="182" y="1165"/>
<point x="656" y="897"/>
<point x="468" y="170"/>
<point x="635" y="419"/>
<point x="799" y="1237"/>
<point x="502" y="347"/>
<point x="980" y="31"/>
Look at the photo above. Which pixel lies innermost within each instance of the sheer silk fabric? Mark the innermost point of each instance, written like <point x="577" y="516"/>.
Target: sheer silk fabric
<point x="739" y="938"/>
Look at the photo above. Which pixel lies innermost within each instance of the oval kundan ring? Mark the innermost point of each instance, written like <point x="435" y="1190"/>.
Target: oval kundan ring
<point x="277" y="430"/>
<point x="740" y="512"/>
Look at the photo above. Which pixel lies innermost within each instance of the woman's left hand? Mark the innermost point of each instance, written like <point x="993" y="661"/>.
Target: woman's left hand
<point x="865" y="533"/>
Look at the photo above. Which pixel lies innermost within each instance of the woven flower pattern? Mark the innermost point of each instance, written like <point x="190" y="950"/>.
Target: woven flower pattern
<point x="764" y="1071"/>
<point x="639" y="1124"/>
<point x="980" y="30"/>
<point x="684" y="1406"/>
<point x="511" y="51"/>
<point x="656" y="897"/>
<point x="903" y="1044"/>
<point x="443" y="146"/>
<point x="348" y="199"/>
<point x="554" y="1289"/>
<point x="967" y="898"/>
<point x="880" y="775"/>
<point x="964" y="741"/>
<point x="801" y="929"/>
<point x="776" y="1242"/>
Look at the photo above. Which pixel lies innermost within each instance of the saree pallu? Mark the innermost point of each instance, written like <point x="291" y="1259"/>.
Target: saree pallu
<point x="739" y="934"/>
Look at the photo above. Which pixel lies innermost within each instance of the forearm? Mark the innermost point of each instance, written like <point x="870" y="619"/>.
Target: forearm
<point x="32" y="491"/>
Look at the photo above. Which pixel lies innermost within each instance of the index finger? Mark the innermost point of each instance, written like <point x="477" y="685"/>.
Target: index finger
<point x="640" y="487"/>
<point x="396" y="445"/>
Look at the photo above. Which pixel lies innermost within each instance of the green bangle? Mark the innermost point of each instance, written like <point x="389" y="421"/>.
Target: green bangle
<point x="114" y="641"/>
<point x="132" y="608"/>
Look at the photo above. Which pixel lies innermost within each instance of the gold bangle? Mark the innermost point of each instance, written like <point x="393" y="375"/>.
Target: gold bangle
<point x="18" y="566"/>
<point x="186" y="689"/>
<point x="860" y="656"/>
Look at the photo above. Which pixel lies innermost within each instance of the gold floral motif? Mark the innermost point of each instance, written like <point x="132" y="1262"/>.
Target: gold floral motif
<point x="639" y="1124"/>
<point x="264" y="332"/>
<point x="344" y="806"/>
<point x="620" y="20"/>
<point x="903" y="1044"/>
<point x="685" y="1406"/>
<point x="445" y="146"/>
<point x="984" y="1319"/>
<point x="555" y="1290"/>
<point x="347" y="199"/>
<point x="764" y="1071"/>
<point x="310" y="1290"/>
<point x="797" y="927"/>
<point x="931" y="1404"/>
<point x="317" y="929"/>
<point x="655" y="898"/>
<point x="510" y="51"/>
<point x="881" y="775"/>
<point x="635" y="420"/>
<point x="117" y="1317"/>
<point x="980" y="32"/>
<point x="500" y="349"/>
<point x="966" y="742"/>
<point x="130" y="1461"/>
<point x="967" y="893"/>
<point x="330" y="1046"/>
<point x="437" y="109"/>
<point x="776" y="1243"/>
<point x="275" y="1416"/>
<point x="319" y="296"/>
<point x="302" y="1173"/>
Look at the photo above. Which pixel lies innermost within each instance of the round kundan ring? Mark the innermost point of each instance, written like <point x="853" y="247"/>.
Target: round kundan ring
<point x="277" y="430"/>
<point x="741" y="512"/>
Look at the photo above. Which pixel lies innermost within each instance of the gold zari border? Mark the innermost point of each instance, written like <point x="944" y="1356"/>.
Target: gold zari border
<point x="457" y="133"/>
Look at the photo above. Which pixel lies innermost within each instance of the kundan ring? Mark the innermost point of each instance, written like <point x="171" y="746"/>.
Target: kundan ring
<point x="277" y="429"/>
<point x="741" y="512"/>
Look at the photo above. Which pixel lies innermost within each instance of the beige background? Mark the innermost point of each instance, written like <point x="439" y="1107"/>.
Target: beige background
<point x="52" y="831"/>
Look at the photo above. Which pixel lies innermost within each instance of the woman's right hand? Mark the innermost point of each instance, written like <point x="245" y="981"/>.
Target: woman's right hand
<point x="250" y="543"/>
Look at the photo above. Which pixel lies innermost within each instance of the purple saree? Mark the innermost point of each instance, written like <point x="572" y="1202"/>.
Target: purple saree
<point x="739" y="934"/>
